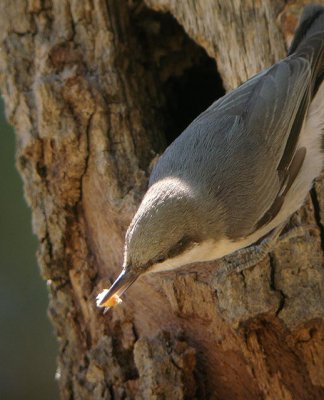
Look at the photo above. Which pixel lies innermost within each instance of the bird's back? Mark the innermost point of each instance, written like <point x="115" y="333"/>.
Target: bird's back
<point x="243" y="152"/>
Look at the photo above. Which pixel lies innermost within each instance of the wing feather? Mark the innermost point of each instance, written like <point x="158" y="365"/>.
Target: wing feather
<point x="243" y="150"/>
<point x="272" y="109"/>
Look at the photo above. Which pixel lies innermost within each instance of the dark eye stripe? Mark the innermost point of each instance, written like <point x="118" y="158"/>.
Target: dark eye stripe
<point x="185" y="243"/>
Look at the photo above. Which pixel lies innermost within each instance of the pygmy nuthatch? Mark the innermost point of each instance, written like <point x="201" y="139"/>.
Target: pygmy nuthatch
<point x="238" y="171"/>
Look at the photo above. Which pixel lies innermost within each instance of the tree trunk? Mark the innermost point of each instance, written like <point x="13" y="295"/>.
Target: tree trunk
<point x="96" y="90"/>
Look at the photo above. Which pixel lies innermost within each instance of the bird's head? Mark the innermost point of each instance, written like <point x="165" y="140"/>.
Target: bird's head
<point x="165" y="227"/>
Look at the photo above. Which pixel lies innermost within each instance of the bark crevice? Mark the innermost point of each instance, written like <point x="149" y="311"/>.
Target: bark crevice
<point x="282" y="298"/>
<point x="317" y="213"/>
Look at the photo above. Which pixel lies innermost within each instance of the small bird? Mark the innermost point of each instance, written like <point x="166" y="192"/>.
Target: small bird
<point x="238" y="171"/>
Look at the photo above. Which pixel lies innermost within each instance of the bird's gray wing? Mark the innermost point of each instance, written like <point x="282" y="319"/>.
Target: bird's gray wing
<point x="283" y="100"/>
<point x="242" y="151"/>
<point x="269" y="110"/>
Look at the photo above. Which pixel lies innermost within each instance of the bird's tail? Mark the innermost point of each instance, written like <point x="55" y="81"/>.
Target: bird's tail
<point x="309" y="42"/>
<point x="310" y="24"/>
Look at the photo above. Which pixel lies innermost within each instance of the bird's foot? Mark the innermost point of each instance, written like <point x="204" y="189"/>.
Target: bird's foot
<point x="242" y="259"/>
<point x="296" y="232"/>
<point x="250" y="256"/>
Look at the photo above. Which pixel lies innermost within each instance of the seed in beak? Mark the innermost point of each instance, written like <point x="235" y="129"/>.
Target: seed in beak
<point x="110" y="302"/>
<point x="110" y="297"/>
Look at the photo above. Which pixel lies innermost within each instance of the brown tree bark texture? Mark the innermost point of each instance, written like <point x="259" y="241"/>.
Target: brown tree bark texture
<point x="87" y="98"/>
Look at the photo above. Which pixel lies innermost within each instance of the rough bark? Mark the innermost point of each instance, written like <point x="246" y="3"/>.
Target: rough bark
<point x="91" y="88"/>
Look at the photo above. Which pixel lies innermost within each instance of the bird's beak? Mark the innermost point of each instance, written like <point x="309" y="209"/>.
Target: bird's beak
<point x="110" y="297"/>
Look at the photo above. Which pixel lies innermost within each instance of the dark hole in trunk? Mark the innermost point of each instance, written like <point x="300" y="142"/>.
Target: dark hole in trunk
<point x="190" y="94"/>
<point x="187" y="79"/>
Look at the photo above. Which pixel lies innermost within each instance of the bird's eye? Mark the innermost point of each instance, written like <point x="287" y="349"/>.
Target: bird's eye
<point x="180" y="247"/>
<point x="160" y="259"/>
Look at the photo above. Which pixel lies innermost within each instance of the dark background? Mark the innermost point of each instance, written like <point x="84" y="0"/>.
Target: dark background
<point x="27" y="344"/>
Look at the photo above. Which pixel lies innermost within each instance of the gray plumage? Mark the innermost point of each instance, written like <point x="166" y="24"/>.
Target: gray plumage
<point x="237" y="158"/>
<point x="240" y="168"/>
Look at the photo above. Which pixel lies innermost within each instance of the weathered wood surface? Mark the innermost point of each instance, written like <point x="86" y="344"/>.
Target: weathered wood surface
<point x="85" y="85"/>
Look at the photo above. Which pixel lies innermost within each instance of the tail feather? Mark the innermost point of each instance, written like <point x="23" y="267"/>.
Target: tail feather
<point x="310" y="24"/>
<point x="309" y="42"/>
